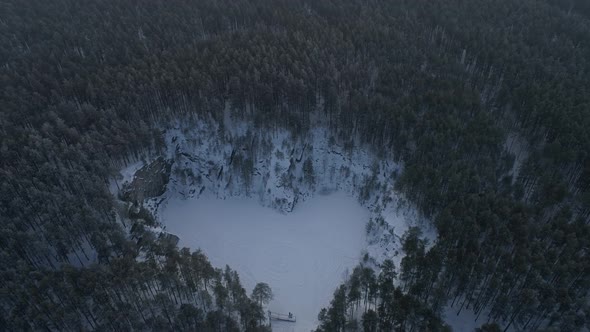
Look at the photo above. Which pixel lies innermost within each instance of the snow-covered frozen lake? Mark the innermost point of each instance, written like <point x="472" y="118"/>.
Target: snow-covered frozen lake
<point x="303" y="255"/>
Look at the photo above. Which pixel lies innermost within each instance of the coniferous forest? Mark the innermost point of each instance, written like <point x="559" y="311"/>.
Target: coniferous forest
<point x="447" y="87"/>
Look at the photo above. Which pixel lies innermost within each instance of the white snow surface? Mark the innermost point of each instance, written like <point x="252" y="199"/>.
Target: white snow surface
<point x="303" y="255"/>
<point x="516" y="145"/>
<point x="467" y="320"/>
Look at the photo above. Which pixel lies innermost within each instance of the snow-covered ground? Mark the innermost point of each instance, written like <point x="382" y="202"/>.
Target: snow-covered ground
<point x="467" y="320"/>
<point x="516" y="145"/>
<point x="303" y="255"/>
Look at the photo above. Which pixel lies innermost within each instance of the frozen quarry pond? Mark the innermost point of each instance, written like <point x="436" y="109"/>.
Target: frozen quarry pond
<point x="303" y="255"/>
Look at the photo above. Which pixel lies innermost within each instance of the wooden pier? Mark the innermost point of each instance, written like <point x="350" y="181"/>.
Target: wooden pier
<point x="282" y="317"/>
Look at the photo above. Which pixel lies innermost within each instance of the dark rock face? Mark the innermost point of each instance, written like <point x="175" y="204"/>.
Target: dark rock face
<point x="149" y="181"/>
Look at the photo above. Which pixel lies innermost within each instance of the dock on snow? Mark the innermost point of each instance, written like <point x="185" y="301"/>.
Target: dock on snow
<point x="282" y="317"/>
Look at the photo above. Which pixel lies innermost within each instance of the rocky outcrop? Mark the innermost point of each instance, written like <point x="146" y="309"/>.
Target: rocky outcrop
<point x="149" y="181"/>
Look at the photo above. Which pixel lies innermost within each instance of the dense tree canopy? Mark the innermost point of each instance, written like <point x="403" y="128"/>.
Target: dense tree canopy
<point x="485" y="102"/>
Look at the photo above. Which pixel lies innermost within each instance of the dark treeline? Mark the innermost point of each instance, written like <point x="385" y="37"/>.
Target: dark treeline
<point x="170" y="290"/>
<point x="442" y="84"/>
<point x="370" y="303"/>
